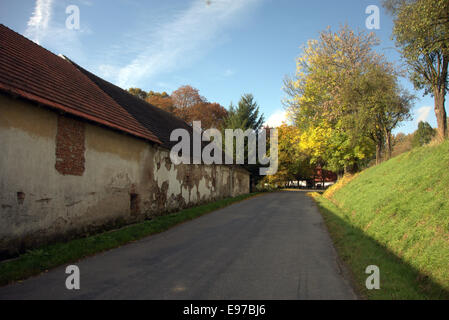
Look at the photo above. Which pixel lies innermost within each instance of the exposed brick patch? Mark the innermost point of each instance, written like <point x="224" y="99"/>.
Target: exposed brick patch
<point x="70" y="146"/>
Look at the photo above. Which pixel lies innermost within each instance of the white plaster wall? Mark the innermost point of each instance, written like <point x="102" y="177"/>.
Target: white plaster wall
<point x="56" y="203"/>
<point x="115" y="165"/>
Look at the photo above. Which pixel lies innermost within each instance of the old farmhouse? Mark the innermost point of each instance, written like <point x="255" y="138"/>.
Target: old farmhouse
<point x="79" y="154"/>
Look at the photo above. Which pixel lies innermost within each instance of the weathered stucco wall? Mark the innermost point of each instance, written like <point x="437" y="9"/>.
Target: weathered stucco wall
<point x="46" y="195"/>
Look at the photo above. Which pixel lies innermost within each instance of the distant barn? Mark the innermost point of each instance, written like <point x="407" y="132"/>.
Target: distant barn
<point x="323" y="177"/>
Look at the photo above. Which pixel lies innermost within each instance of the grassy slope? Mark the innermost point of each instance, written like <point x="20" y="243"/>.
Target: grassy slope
<point x="39" y="260"/>
<point x="396" y="216"/>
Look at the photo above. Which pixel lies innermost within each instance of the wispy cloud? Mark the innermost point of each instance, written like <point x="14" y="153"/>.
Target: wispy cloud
<point x="38" y="23"/>
<point x="276" y="119"/>
<point x="50" y="31"/>
<point x="423" y="114"/>
<point x="186" y="37"/>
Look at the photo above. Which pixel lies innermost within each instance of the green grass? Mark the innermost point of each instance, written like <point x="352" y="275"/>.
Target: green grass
<point x="396" y="216"/>
<point x="39" y="260"/>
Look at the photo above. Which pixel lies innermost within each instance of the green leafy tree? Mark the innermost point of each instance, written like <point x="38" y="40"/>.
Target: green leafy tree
<point x="421" y="30"/>
<point x="383" y="105"/>
<point x="423" y="135"/>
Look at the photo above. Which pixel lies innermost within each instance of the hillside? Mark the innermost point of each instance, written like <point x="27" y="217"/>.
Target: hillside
<point x="396" y="216"/>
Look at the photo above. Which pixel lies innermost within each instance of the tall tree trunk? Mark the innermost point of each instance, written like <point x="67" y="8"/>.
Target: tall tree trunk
<point x="351" y="169"/>
<point x="389" y="147"/>
<point x="378" y="153"/>
<point x="440" y="113"/>
<point x="340" y="174"/>
<point x="439" y="95"/>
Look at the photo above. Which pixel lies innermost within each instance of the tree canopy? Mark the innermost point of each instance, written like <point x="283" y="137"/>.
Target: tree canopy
<point x="423" y="135"/>
<point x="421" y="30"/>
<point x="138" y="93"/>
<point x="346" y="99"/>
<point x="245" y="116"/>
<point x="187" y="104"/>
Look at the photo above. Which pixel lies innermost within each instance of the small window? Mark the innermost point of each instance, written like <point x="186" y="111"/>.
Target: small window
<point x="134" y="203"/>
<point x="20" y="197"/>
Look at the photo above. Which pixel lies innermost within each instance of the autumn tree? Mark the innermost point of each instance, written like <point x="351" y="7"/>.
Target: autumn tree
<point x="421" y="30"/>
<point x="401" y="143"/>
<point x="162" y="101"/>
<point x="184" y="98"/>
<point x="211" y="115"/>
<point x="294" y="163"/>
<point x="160" y="94"/>
<point x="344" y="89"/>
<point x="323" y="96"/>
<point x="187" y="104"/>
<point x="138" y="93"/>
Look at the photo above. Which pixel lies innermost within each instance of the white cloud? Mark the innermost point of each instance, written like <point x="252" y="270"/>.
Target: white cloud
<point x="186" y="37"/>
<point x="277" y="118"/>
<point x="38" y="23"/>
<point x="423" y="113"/>
<point x="52" y="33"/>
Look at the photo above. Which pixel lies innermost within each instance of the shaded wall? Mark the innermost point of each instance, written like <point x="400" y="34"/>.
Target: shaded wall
<point x="61" y="178"/>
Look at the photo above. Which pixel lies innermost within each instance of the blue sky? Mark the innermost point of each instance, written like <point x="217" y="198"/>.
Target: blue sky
<point x="224" y="48"/>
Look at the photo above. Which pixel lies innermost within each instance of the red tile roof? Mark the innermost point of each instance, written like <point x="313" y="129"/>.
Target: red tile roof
<point x="32" y="72"/>
<point x="158" y="121"/>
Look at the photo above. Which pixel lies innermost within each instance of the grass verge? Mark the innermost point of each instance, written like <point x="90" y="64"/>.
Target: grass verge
<point x="395" y="216"/>
<point x="398" y="279"/>
<point x="39" y="260"/>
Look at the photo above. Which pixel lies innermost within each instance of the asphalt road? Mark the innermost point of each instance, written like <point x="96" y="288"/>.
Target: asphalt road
<point x="273" y="246"/>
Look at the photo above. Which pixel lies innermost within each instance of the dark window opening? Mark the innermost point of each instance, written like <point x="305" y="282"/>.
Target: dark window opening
<point x="20" y="197"/>
<point x="134" y="203"/>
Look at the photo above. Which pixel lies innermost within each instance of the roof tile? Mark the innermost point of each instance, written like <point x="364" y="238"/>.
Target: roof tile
<point x="32" y="72"/>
